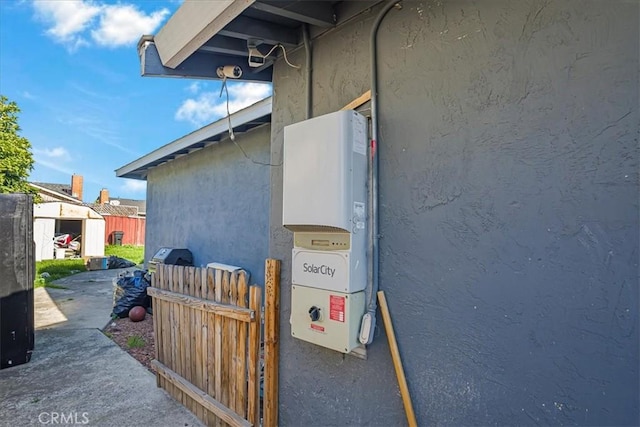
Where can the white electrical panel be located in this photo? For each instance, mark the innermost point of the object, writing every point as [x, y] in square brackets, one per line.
[325, 173]
[329, 319]
[324, 204]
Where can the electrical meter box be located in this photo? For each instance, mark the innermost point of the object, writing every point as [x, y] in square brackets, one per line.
[329, 319]
[324, 200]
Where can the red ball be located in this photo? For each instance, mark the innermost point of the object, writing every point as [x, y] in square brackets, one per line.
[137, 313]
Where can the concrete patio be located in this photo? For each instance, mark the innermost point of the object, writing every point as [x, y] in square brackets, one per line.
[79, 376]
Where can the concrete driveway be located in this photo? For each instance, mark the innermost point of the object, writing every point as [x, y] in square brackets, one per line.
[76, 374]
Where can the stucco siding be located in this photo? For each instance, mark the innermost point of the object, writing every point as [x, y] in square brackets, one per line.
[214, 202]
[508, 211]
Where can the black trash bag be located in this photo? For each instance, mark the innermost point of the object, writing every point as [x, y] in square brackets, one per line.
[131, 291]
[117, 262]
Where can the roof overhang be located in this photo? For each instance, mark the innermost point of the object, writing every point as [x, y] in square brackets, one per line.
[204, 35]
[244, 120]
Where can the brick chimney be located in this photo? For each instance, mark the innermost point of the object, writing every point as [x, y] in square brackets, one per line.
[104, 196]
[76, 186]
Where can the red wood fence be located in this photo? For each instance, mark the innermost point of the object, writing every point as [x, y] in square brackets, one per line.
[132, 227]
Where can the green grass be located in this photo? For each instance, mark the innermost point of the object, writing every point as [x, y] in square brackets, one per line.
[57, 269]
[135, 342]
[130, 252]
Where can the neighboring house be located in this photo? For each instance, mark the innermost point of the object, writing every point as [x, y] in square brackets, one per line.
[204, 195]
[139, 205]
[508, 197]
[61, 212]
[124, 216]
[50, 192]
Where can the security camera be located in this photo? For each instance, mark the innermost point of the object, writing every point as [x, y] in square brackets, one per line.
[256, 59]
[229, 72]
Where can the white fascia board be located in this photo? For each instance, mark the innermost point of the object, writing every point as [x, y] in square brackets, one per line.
[246, 115]
[193, 24]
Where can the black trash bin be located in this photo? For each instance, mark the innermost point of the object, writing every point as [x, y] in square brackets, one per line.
[117, 238]
[17, 269]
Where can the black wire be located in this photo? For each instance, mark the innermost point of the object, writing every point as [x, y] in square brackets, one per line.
[232, 135]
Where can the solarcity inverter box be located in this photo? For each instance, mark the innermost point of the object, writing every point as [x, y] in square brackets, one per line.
[324, 203]
[324, 200]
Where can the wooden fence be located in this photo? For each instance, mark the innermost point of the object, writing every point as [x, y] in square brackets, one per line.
[208, 335]
[132, 227]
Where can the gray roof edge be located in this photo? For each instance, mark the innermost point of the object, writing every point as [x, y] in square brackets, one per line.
[40, 187]
[259, 109]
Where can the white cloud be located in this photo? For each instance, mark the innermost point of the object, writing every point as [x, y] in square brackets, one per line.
[56, 158]
[134, 186]
[98, 126]
[53, 153]
[193, 88]
[249, 90]
[123, 24]
[198, 111]
[53, 165]
[208, 106]
[28, 95]
[67, 19]
[74, 23]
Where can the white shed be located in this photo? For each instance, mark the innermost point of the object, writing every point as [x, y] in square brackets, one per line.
[59, 217]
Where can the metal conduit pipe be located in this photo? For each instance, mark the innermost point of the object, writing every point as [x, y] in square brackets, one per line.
[367, 328]
[307, 48]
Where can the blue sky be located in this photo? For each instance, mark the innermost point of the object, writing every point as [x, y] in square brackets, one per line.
[73, 69]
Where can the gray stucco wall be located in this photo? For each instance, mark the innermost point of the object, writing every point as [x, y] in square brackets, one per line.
[214, 202]
[509, 215]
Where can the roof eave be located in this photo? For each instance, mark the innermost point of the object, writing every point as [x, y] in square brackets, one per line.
[192, 25]
[199, 65]
[203, 36]
[204, 136]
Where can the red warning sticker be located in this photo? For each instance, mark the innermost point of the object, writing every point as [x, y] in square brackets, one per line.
[336, 308]
[317, 327]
